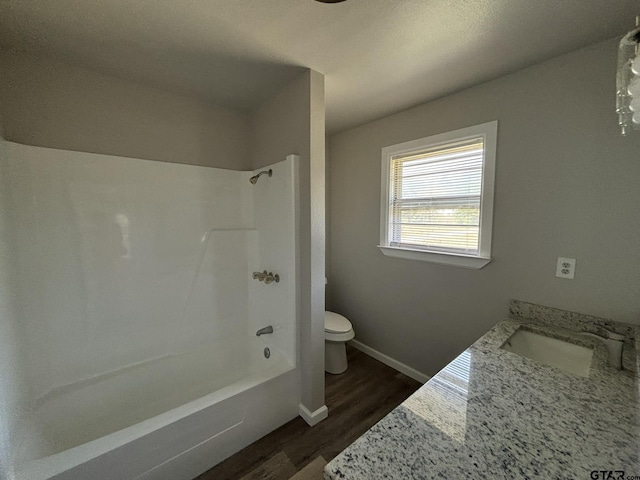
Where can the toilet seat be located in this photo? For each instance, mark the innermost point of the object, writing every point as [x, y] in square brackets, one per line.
[336, 323]
[337, 328]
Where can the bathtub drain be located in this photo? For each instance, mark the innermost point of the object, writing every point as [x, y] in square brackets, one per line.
[267, 352]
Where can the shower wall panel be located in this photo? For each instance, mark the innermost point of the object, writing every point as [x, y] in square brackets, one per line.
[275, 220]
[120, 261]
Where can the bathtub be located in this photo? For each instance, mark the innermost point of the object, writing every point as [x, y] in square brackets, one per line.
[135, 313]
[172, 417]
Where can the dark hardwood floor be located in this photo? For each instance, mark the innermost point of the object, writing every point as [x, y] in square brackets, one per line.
[357, 400]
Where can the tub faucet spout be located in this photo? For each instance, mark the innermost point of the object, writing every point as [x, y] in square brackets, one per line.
[264, 330]
[614, 343]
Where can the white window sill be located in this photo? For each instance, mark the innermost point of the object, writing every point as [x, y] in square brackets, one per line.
[464, 261]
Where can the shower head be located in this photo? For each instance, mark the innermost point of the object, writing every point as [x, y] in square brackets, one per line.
[255, 178]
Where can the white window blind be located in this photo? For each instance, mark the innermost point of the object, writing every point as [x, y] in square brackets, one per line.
[435, 198]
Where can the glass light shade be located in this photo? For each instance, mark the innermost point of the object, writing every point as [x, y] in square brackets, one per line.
[635, 65]
[627, 83]
[634, 87]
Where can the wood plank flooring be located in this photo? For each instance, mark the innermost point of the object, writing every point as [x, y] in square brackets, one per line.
[357, 400]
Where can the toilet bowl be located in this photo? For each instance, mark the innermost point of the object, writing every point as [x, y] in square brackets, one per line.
[337, 331]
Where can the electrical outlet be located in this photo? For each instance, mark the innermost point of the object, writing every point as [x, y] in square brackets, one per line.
[566, 268]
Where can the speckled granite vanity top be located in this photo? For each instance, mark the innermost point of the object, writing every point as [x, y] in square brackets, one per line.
[494, 414]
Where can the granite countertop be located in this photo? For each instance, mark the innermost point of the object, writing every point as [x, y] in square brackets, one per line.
[494, 414]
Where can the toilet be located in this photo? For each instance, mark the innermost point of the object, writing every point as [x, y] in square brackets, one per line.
[337, 331]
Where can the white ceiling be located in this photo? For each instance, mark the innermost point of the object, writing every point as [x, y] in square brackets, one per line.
[379, 56]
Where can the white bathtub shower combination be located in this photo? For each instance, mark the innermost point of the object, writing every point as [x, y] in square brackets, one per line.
[135, 313]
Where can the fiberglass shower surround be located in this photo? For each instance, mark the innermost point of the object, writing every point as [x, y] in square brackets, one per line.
[136, 312]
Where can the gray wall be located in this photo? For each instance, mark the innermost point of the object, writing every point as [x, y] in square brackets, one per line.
[51, 104]
[567, 184]
[293, 122]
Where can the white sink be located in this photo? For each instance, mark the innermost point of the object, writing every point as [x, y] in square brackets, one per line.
[550, 351]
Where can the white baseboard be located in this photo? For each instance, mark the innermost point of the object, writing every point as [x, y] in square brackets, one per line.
[313, 418]
[392, 362]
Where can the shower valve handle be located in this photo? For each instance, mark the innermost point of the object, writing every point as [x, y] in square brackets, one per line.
[271, 278]
[266, 277]
[260, 276]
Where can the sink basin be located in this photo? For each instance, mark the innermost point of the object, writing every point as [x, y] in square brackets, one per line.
[550, 351]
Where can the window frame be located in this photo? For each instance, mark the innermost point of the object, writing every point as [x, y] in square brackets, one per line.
[489, 132]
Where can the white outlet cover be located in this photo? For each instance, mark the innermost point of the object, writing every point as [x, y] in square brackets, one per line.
[566, 267]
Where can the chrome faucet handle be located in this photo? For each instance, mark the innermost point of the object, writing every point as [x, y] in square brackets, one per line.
[260, 276]
[270, 277]
[266, 277]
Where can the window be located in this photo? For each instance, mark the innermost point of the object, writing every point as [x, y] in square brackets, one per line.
[437, 197]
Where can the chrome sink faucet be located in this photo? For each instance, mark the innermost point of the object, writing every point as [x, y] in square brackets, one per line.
[613, 342]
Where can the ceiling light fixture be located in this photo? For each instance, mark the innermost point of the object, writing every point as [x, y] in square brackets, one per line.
[330, 1]
[628, 81]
